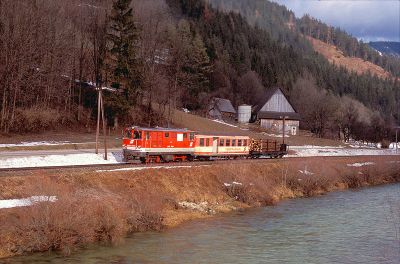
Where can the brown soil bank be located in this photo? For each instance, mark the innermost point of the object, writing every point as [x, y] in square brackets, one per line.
[106, 206]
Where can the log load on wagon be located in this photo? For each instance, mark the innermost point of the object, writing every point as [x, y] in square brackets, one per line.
[167, 144]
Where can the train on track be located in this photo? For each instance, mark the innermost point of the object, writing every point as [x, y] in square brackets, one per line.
[167, 145]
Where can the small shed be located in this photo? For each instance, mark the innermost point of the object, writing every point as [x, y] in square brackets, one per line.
[221, 109]
[273, 108]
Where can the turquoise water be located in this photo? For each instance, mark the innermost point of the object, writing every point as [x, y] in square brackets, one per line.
[344, 227]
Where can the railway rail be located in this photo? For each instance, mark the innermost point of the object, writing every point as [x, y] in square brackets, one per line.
[170, 164]
[128, 165]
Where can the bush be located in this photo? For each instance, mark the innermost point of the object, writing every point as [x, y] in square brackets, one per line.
[35, 120]
[385, 144]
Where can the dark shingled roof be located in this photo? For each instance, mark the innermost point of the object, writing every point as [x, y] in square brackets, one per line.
[222, 105]
[278, 115]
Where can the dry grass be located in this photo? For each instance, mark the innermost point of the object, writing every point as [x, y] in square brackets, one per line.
[203, 125]
[354, 64]
[104, 207]
[79, 141]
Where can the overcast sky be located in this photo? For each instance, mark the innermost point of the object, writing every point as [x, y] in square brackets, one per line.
[370, 20]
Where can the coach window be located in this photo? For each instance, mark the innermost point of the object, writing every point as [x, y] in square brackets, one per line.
[221, 142]
[228, 142]
[201, 142]
[166, 135]
[244, 142]
[137, 135]
[233, 142]
[239, 142]
[207, 142]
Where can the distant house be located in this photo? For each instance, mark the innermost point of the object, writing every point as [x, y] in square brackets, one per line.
[271, 110]
[221, 109]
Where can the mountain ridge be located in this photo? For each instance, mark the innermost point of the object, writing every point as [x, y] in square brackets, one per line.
[391, 48]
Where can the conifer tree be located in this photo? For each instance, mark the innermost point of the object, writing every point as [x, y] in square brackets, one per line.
[198, 68]
[123, 64]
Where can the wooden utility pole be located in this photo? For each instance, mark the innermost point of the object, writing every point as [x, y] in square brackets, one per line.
[98, 120]
[283, 128]
[100, 113]
[397, 141]
[104, 125]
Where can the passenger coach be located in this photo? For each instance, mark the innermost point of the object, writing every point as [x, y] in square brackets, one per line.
[221, 146]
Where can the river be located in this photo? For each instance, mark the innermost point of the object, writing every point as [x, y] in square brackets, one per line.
[359, 226]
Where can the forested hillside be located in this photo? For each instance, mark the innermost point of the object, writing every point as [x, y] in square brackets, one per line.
[280, 22]
[151, 56]
[391, 48]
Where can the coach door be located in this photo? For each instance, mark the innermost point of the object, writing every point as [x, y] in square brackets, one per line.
[215, 145]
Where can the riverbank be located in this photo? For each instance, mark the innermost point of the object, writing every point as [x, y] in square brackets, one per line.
[106, 205]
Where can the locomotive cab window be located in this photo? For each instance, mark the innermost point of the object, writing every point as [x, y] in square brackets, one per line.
[201, 142]
[137, 135]
[185, 135]
[128, 133]
[147, 135]
[191, 136]
[221, 142]
[228, 142]
[233, 142]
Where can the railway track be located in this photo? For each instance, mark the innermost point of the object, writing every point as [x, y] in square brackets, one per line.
[170, 164]
[62, 167]
[124, 165]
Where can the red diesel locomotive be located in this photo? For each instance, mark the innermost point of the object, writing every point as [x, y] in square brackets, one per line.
[166, 144]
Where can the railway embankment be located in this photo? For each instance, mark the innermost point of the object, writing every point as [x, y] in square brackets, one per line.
[104, 206]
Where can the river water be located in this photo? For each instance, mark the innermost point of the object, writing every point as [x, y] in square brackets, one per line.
[360, 226]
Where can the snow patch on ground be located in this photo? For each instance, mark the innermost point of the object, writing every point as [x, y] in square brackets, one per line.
[26, 201]
[152, 167]
[361, 144]
[231, 184]
[202, 207]
[37, 143]
[275, 135]
[60, 160]
[393, 145]
[223, 123]
[361, 164]
[315, 147]
[306, 172]
[316, 151]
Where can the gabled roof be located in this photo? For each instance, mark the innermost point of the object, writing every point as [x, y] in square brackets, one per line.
[267, 96]
[221, 105]
[264, 99]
